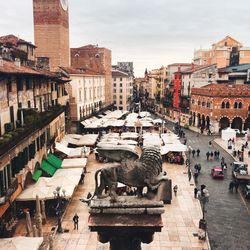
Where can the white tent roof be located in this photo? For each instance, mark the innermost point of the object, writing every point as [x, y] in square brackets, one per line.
[129, 135]
[67, 179]
[227, 134]
[144, 114]
[21, 243]
[128, 142]
[70, 152]
[74, 163]
[176, 147]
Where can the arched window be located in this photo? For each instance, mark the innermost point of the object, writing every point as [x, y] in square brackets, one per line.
[208, 105]
[236, 105]
[203, 104]
[192, 101]
[240, 105]
[223, 105]
[199, 102]
[227, 105]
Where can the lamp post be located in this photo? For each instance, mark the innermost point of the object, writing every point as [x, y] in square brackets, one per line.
[203, 196]
[188, 162]
[58, 208]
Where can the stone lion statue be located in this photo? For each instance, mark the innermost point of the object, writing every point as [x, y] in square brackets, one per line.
[130, 170]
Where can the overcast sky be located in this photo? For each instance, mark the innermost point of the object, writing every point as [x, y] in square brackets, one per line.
[151, 33]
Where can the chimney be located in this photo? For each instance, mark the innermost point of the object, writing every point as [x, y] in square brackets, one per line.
[1, 61]
[17, 62]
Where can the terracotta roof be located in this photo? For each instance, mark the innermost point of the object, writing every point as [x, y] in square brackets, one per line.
[118, 73]
[82, 71]
[9, 67]
[195, 68]
[180, 64]
[14, 40]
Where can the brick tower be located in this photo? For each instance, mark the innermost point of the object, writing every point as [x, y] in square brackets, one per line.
[51, 28]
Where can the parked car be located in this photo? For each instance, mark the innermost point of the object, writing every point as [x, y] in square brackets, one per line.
[217, 172]
[240, 171]
[247, 191]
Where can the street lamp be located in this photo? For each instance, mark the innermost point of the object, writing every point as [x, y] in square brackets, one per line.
[59, 206]
[188, 162]
[203, 196]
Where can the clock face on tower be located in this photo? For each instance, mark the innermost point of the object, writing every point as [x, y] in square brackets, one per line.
[64, 4]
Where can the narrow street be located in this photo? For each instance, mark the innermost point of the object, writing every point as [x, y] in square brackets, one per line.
[227, 215]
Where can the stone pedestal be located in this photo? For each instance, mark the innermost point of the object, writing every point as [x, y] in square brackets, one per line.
[126, 223]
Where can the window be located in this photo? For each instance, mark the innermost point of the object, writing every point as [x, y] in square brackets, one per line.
[208, 105]
[203, 104]
[227, 105]
[120, 85]
[114, 90]
[223, 105]
[114, 85]
[236, 105]
[193, 101]
[19, 84]
[121, 79]
[120, 102]
[9, 85]
[240, 105]
[114, 79]
[120, 96]
[120, 90]
[199, 102]
[29, 104]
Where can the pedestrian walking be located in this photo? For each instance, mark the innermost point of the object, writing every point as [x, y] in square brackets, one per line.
[210, 144]
[215, 154]
[195, 192]
[76, 220]
[199, 168]
[212, 154]
[246, 144]
[236, 185]
[193, 152]
[218, 154]
[238, 153]
[231, 186]
[175, 188]
[185, 141]
[196, 176]
[198, 152]
[222, 159]
[207, 154]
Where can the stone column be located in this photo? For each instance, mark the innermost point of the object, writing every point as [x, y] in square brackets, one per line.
[38, 217]
[28, 225]
[43, 212]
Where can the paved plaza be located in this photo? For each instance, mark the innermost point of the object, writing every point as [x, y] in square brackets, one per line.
[180, 219]
[227, 215]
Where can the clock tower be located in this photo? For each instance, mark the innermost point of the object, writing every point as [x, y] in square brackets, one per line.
[51, 29]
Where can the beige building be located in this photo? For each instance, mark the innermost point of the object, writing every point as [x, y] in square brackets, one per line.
[226, 52]
[86, 92]
[97, 59]
[122, 89]
[30, 122]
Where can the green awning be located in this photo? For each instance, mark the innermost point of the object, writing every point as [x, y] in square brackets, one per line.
[37, 175]
[48, 168]
[54, 161]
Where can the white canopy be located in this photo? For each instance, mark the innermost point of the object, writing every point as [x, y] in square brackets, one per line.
[144, 114]
[70, 152]
[177, 147]
[131, 135]
[74, 163]
[21, 243]
[227, 134]
[156, 121]
[128, 142]
[67, 179]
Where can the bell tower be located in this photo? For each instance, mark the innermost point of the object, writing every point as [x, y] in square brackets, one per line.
[51, 29]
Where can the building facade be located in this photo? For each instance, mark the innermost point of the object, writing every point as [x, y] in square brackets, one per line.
[30, 122]
[97, 59]
[51, 30]
[122, 90]
[226, 52]
[217, 106]
[86, 92]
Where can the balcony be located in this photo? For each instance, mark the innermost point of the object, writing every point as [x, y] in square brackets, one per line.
[9, 192]
[33, 124]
